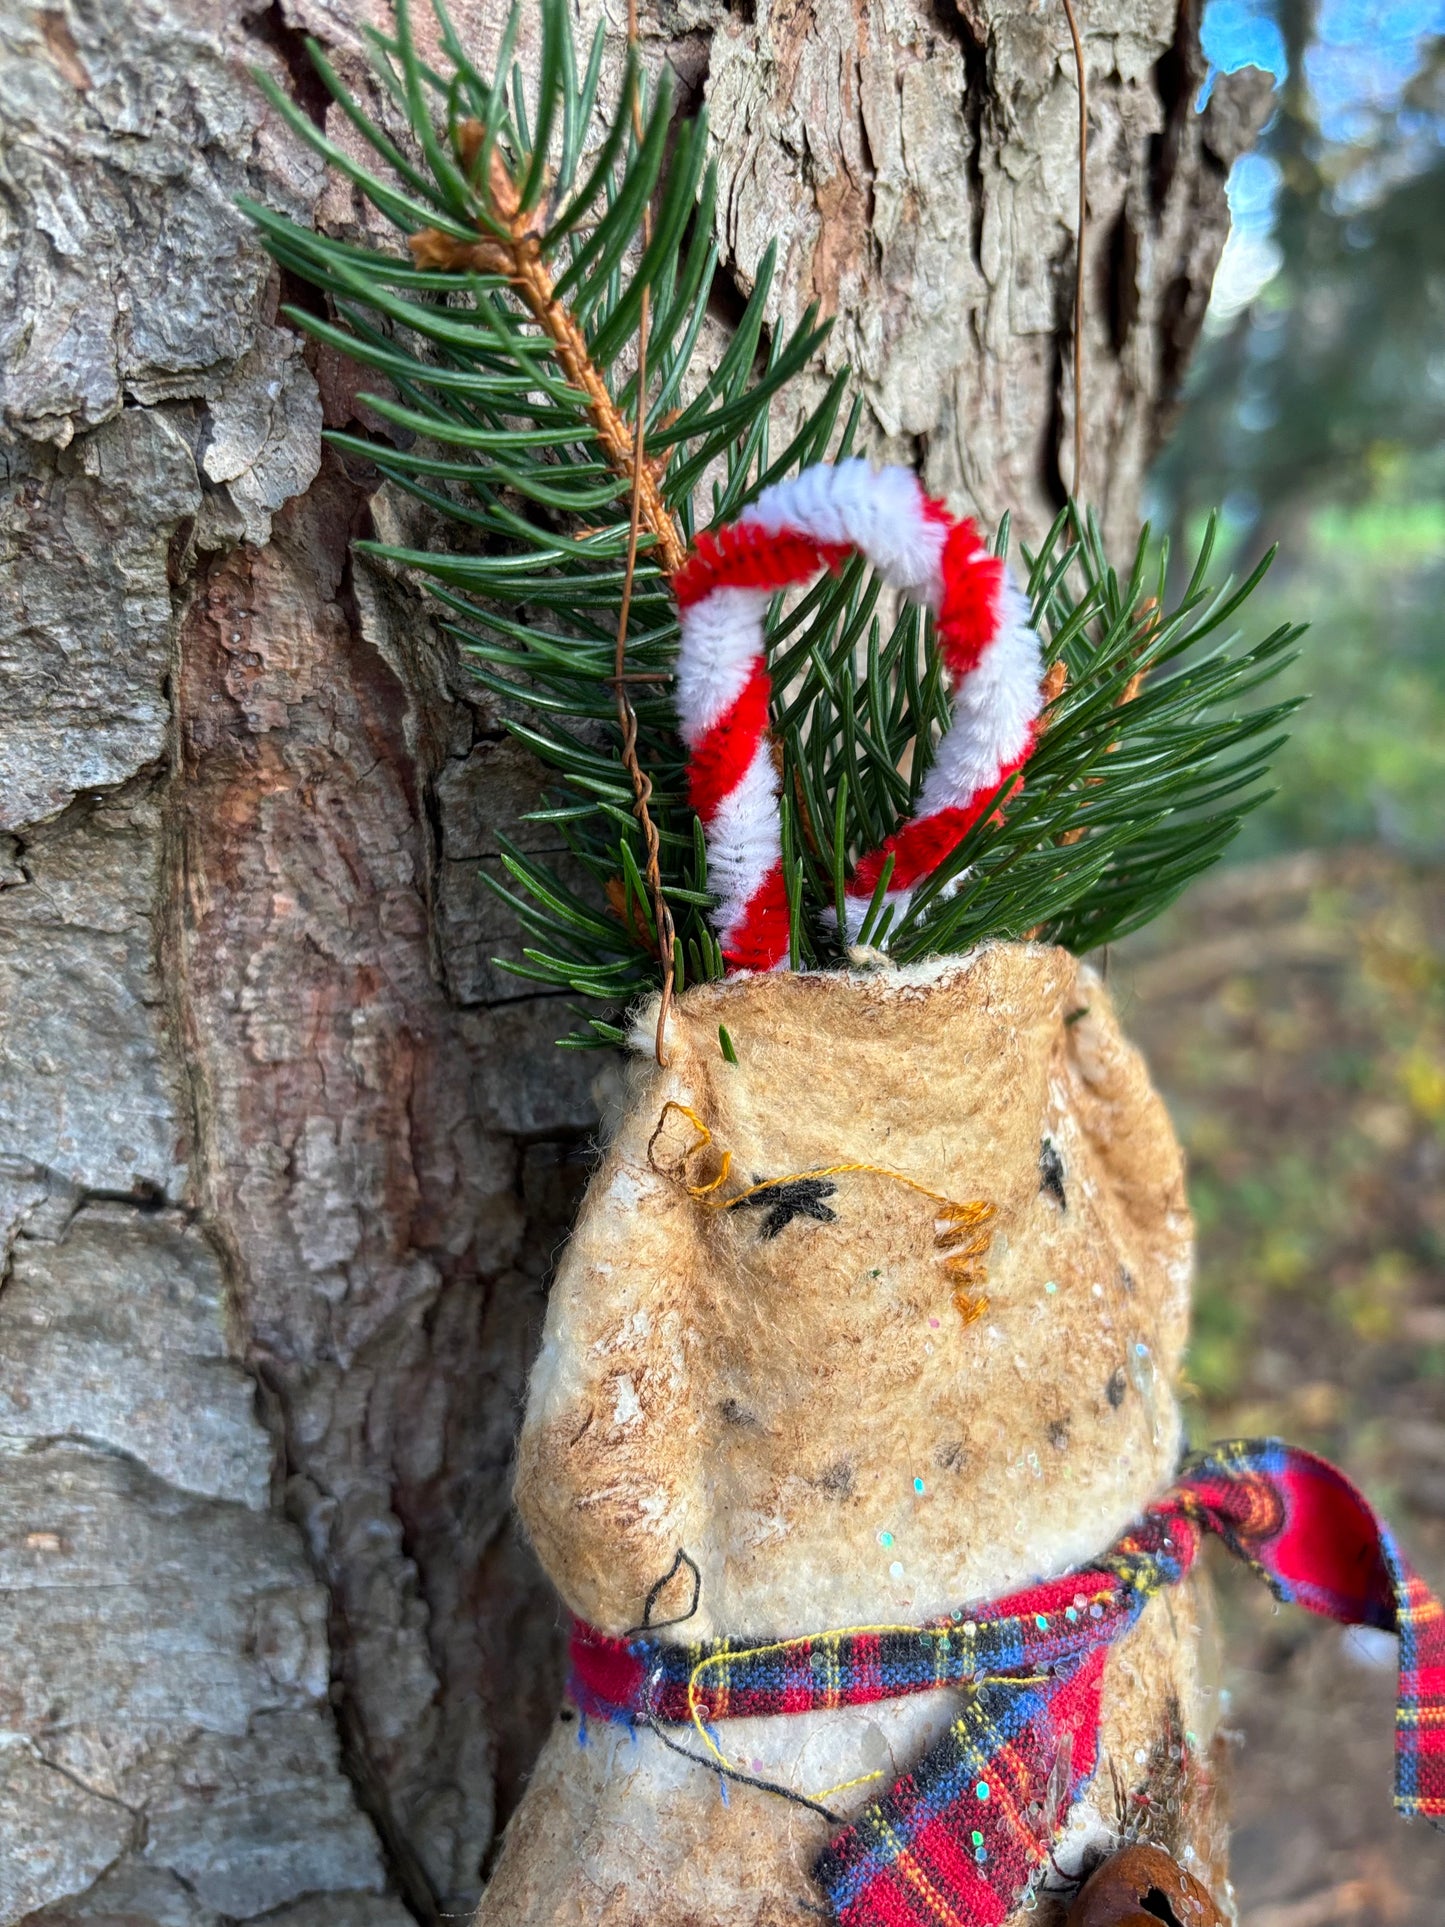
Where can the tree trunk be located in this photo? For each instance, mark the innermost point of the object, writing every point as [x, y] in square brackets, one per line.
[284, 1159]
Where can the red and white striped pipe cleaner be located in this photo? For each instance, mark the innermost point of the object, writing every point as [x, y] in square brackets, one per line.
[723, 690]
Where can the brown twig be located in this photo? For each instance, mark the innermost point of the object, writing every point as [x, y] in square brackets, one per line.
[1079, 249]
[519, 258]
[626, 714]
[1055, 682]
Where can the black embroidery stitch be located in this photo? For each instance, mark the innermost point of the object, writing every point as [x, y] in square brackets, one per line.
[1051, 1173]
[800, 1198]
[680, 1559]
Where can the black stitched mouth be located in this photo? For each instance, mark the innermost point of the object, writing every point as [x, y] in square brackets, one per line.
[1051, 1173]
[798, 1198]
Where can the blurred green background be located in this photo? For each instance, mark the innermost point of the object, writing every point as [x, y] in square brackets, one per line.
[1314, 412]
[1293, 1005]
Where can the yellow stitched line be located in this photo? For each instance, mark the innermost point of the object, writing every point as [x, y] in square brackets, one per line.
[699, 1717]
[702, 1141]
[976, 1211]
[844, 1785]
[694, 1708]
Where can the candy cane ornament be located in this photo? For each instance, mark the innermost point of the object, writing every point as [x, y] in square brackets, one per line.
[811, 521]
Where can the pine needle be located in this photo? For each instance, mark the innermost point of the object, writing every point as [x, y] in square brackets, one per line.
[541, 319]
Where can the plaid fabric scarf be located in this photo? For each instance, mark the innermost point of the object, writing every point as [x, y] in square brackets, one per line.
[958, 1841]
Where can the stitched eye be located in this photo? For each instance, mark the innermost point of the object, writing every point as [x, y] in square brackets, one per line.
[781, 1203]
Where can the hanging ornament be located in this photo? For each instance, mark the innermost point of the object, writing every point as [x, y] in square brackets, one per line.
[852, 1445]
[1140, 1886]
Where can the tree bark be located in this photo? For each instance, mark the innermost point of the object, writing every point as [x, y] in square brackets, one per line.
[284, 1158]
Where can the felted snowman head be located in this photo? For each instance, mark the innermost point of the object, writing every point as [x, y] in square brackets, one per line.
[880, 1318]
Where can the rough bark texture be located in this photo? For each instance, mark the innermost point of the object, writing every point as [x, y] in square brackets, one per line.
[283, 1158]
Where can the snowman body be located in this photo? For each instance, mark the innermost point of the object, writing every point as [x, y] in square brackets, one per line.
[878, 1321]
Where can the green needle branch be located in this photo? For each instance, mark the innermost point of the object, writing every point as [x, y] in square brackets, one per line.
[544, 229]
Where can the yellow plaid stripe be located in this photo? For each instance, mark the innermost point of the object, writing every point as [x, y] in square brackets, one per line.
[832, 1649]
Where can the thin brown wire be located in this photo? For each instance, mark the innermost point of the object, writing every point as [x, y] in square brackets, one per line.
[626, 714]
[1079, 249]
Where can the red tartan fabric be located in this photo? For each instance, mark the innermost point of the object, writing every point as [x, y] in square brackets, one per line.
[958, 1841]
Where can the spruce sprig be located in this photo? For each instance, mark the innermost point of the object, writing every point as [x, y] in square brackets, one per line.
[505, 340]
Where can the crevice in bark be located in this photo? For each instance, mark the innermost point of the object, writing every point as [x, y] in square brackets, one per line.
[973, 45]
[403, 1866]
[145, 1196]
[1181, 316]
[976, 71]
[7, 1260]
[434, 825]
[1119, 274]
[1051, 472]
[137, 1814]
[1176, 77]
[727, 296]
[869, 185]
[535, 995]
[180, 556]
[296, 293]
[274, 30]
[959, 24]
[691, 62]
[16, 862]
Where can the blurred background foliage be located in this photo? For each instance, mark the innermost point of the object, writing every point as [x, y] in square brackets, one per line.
[1315, 411]
[1315, 414]
[1293, 1005]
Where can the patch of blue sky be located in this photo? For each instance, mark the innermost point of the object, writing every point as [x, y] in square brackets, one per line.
[1241, 33]
[1362, 57]
[1364, 53]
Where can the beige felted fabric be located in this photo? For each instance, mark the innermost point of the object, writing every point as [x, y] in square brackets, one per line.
[836, 1426]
